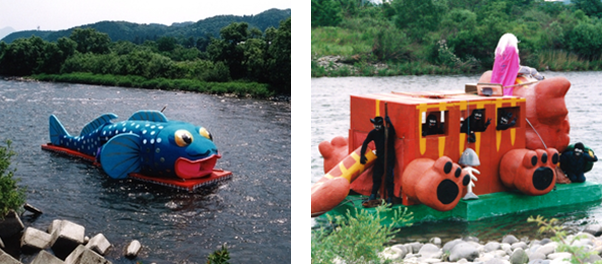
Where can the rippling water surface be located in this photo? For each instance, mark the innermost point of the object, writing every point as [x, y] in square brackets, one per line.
[251, 212]
[330, 118]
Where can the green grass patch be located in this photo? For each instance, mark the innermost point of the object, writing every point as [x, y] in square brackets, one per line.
[253, 89]
[339, 41]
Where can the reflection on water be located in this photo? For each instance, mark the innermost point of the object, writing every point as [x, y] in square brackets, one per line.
[250, 212]
[330, 118]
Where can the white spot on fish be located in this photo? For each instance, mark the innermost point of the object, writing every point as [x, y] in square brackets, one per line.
[152, 141]
[124, 129]
[144, 141]
[158, 140]
[143, 132]
[152, 133]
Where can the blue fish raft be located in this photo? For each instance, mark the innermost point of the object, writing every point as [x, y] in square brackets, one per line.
[145, 147]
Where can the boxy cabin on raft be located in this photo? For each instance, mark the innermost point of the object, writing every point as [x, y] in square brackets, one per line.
[408, 114]
[516, 138]
[511, 125]
[434, 129]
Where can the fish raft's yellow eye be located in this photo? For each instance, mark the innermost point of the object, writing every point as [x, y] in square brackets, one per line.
[183, 138]
[205, 133]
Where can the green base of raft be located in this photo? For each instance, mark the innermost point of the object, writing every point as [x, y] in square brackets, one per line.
[488, 205]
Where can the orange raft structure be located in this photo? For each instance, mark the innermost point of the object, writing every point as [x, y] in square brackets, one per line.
[517, 139]
[217, 175]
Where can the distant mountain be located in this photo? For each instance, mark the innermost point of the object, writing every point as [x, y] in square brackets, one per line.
[5, 31]
[138, 33]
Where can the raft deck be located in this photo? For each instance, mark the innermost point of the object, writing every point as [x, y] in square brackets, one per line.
[188, 185]
[488, 205]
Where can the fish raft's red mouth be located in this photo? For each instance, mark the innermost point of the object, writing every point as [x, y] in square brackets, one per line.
[188, 169]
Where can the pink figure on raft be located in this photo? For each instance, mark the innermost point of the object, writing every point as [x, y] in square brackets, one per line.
[506, 65]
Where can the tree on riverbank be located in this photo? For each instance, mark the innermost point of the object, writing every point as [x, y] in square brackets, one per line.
[12, 196]
[241, 54]
[453, 37]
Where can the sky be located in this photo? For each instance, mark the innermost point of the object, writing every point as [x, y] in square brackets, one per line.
[64, 14]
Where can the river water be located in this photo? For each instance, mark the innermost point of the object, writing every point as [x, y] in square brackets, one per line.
[251, 212]
[330, 118]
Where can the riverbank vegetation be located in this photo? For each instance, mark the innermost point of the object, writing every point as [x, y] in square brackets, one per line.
[362, 238]
[243, 61]
[357, 237]
[12, 197]
[399, 37]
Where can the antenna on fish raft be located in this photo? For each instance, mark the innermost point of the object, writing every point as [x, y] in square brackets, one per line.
[163, 108]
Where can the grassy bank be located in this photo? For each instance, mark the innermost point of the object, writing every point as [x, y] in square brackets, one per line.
[403, 37]
[341, 66]
[339, 52]
[255, 90]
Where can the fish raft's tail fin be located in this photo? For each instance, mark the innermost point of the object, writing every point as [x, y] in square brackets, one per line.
[57, 131]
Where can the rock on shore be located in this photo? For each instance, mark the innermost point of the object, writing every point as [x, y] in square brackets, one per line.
[65, 238]
[509, 250]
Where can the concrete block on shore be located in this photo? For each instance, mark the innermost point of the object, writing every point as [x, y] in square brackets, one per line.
[7, 259]
[132, 249]
[44, 257]
[99, 244]
[66, 237]
[54, 225]
[11, 225]
[83, 255]
[32, 209]
[34, 240]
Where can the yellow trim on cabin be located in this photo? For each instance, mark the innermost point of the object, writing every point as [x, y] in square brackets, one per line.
[422, 139]
[498, 133]
[478, 143]
[512, 135]
[498, 139]
[443, 106]
[441, 146]
[462, 143]
[463, 106]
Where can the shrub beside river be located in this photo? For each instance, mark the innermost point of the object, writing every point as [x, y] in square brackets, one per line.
[253, 89]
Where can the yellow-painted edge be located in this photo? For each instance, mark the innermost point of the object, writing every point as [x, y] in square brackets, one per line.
[441, 146]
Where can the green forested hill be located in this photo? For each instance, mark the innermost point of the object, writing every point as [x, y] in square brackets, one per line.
[138, 33]
[250, 57]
